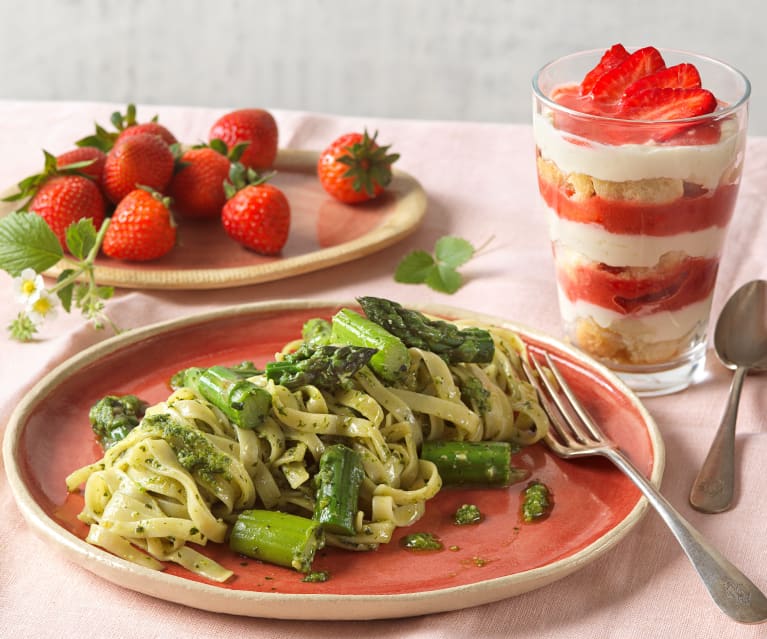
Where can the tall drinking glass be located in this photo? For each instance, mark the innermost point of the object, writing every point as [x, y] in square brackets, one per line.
[638, 212]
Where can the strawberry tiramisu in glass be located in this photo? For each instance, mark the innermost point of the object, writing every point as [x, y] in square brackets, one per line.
[639, 155]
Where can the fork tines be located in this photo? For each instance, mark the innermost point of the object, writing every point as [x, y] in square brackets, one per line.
[574, 431]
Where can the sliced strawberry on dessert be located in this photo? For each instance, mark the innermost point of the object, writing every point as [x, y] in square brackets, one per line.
[609, 60]
[680, 76]
[667, 104]
[611, 85]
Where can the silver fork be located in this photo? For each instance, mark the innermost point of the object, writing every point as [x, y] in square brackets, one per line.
[575, 434]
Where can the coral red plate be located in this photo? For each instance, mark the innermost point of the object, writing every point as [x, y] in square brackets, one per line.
[324, 232]
[595, 505]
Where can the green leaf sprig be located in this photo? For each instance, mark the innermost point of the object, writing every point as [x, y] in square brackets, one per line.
[439, 271]
[28, 245]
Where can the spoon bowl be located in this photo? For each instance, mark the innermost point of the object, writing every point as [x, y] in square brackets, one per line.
[740, 336]
[740, 340]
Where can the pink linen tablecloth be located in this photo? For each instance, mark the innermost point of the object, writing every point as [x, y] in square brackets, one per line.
[480, 181]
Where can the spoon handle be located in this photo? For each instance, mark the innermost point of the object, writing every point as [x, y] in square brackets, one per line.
[714, 486]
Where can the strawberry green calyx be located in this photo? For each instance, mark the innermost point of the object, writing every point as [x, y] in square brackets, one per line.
[233, 155]
[123, 121]
[105, 140]
[165, 200]
[241, 176]
[125, 124]
[369, 164]
[29, 186]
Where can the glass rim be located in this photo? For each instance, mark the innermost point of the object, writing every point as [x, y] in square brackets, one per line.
[719, 113]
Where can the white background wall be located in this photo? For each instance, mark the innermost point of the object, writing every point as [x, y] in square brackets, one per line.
[422, 59]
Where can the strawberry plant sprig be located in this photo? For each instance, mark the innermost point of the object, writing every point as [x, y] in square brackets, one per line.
[439, 271]
[28, 247]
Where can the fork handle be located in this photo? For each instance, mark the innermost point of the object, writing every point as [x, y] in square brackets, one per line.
[730, 589]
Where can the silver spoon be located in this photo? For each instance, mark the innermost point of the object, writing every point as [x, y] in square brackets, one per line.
[740, 340]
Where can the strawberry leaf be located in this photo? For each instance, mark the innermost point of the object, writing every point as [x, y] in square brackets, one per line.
[105, 292]
[414, 268]
[81, 237]
[445, 279]
[26, 241]
[65, 293]
[453, 251]
[438, 271]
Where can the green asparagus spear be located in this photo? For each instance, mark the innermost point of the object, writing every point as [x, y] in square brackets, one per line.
[474, 394]
[392, 359]
[316, 331]
[190, 376]
[277, 538]
[246, 369]
[243, 403]
[186, 377]
[454, 345]
[338, 483]
[462, 463]
[113, 417]
[327, 367]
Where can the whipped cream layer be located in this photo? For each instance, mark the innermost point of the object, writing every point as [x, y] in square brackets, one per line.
[699, 164]
[592, 243]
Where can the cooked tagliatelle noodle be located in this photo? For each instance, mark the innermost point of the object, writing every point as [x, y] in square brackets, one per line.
[147, 499]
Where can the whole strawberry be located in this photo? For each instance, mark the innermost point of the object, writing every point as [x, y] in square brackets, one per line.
[60, 195]
[63, 199]
[141, 228]
[197, 187]
[257, 215]
[95, 157]
[138, 160]
[125, 124]
[257, 128]
[354, 168]
[153, 127]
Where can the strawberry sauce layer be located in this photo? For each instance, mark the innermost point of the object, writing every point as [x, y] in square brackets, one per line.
[689, 213]
[690, 280]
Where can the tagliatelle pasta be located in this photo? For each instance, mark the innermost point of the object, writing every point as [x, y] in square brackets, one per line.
[181, 476]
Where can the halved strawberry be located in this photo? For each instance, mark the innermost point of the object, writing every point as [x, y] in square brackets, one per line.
[667, 104]
[609, 60]
[611, 85]
[680, 76]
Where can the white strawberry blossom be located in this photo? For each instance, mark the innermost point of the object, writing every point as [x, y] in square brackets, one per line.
[41, 306]
[27, 284]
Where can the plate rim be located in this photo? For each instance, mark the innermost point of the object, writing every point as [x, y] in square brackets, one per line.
[408, 212]
[299, 606]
